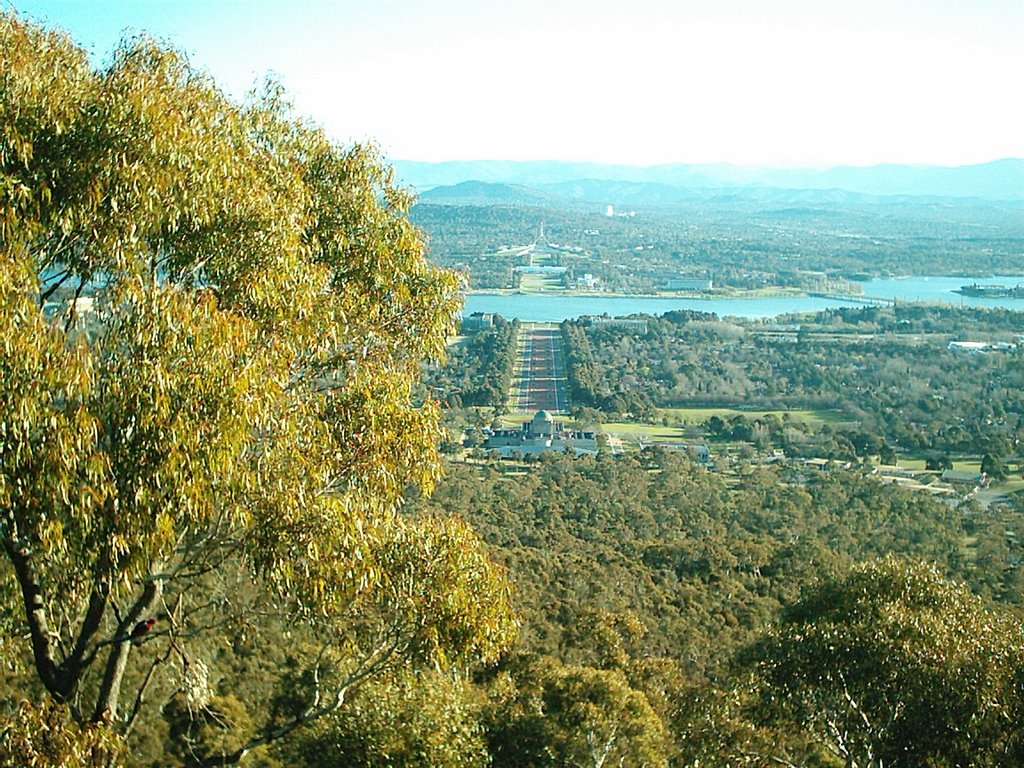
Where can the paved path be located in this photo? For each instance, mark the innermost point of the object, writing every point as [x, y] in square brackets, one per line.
[540, 381]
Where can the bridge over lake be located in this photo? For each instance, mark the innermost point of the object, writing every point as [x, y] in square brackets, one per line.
[854, 298]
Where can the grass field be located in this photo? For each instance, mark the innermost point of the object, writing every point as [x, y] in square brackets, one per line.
[909, 463]
[960, 465]
[689, 416]
[1014, 485]
[650, 432]
[968, 465]
[699, 415]
[515, 419]
[541, 283]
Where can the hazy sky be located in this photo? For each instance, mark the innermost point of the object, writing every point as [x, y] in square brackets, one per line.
[778, 82]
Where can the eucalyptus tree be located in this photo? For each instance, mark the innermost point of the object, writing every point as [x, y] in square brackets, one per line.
[894, 665]
[421, 720]
[211, 320]
[544, 713]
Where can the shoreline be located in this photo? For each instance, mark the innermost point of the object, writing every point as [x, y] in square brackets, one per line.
[757, 293]
[554, 307]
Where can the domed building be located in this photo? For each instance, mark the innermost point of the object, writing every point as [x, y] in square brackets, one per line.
[541, 433]
[544, 425]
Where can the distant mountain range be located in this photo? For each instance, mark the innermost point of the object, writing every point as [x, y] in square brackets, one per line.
[489, 193]
[543, 182]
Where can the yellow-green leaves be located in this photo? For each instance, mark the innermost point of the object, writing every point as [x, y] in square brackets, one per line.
[435, 574]
[180, 387]
[895, 665]
[547, 713]
[211, 320]
[47, 436]
[44, 736]
[43, 81]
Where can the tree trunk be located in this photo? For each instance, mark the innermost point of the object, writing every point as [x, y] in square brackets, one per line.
[38, 624]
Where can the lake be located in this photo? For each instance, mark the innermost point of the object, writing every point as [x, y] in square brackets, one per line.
[554, 308]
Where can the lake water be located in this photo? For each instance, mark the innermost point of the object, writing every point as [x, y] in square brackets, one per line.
[554, 308]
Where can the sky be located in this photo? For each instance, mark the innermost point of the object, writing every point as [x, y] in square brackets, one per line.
[793, 83]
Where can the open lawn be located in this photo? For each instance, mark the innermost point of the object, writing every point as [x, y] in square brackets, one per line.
[967, 465]
[1013, 485]
[649, 432]
[540, 283]
[907, 462]
[918, 463]
[515, 419]
[699, 415]
[689, 416]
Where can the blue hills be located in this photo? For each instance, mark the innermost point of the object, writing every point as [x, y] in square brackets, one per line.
[487, 182]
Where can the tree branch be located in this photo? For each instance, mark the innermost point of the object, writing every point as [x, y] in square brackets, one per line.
[110, 684]
[77, 661]
[73, 310]
[371, 665]
[60, 280]
[35, 616]
[772, 759]
[141, 692]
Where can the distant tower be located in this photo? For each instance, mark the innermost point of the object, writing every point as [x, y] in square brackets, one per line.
[540, 235]
[610, 212]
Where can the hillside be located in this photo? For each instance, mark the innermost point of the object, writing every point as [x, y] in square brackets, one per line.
[998, 180]
[485, 193]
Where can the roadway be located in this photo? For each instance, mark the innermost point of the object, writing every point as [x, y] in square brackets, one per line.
[541, 383]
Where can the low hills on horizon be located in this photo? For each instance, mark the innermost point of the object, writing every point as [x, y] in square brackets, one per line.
[545, 183]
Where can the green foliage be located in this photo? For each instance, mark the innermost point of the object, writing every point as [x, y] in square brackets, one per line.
[412, 720]
[547, 714]
[218, 727]
[993, 466]
[938, 463]
[212, 321]
[597, 544]
[44, 736]
[436, 575]
[888, 370]
[581, 372]
[894, 665]
[479, 372]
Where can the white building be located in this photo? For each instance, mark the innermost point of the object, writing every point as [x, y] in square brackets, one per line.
[478, 320]
[540, 434]
[974, 347]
